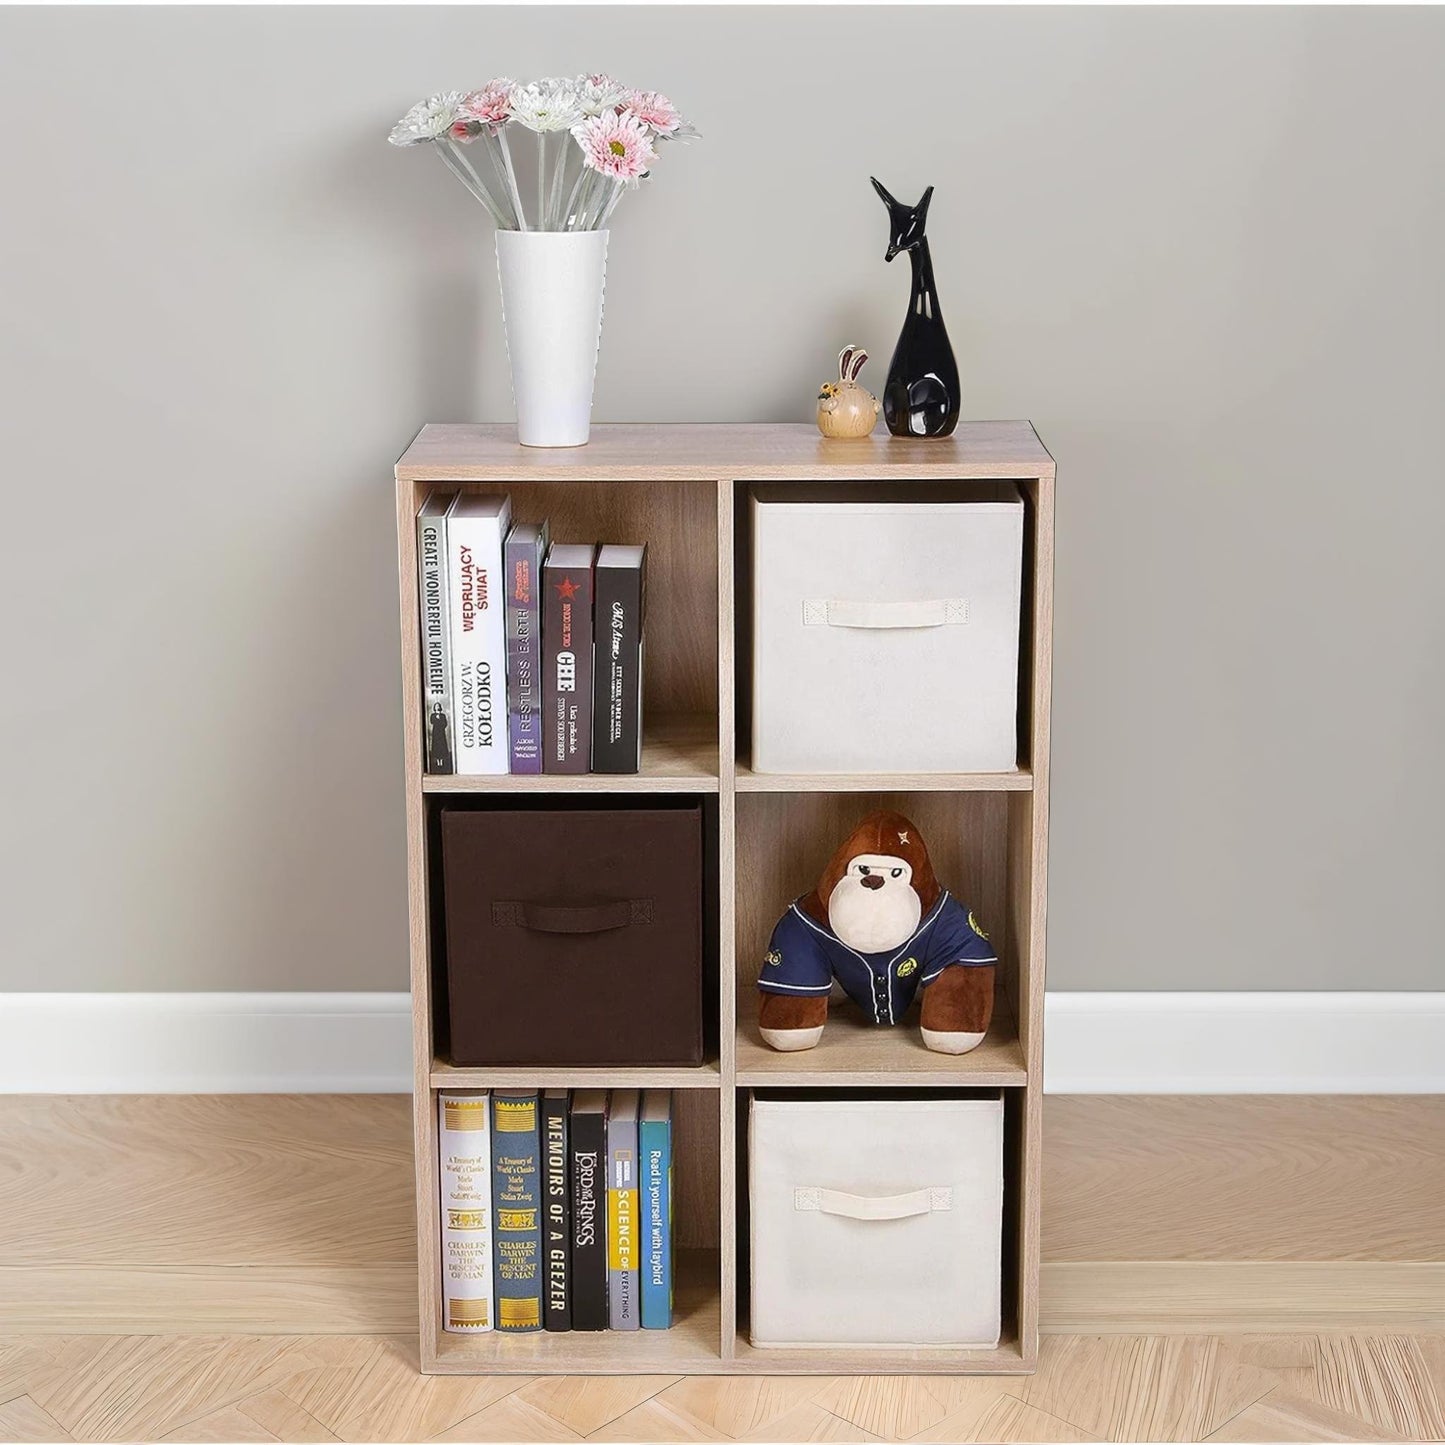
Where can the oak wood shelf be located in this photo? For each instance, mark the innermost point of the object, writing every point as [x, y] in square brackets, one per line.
[445, 1075]
[1021, 780]
[691, 1346]
[855, 1054]
[683, 489]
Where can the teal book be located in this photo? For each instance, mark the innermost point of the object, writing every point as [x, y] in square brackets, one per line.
[516, 1210]
[654, 1148]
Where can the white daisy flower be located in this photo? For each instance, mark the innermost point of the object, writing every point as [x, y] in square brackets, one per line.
[429, 119]
[546, 105]
[597, 93]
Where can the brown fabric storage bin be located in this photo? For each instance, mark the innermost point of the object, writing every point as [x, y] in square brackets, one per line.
[574, 935]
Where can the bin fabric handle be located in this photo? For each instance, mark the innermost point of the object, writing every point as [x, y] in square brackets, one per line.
[867, 1206]
[938, 612]
[573, 917]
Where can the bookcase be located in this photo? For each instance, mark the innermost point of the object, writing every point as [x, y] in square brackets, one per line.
[683, 489]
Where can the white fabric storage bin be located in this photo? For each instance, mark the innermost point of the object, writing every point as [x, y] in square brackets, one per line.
[886, 628]
[877, 1222]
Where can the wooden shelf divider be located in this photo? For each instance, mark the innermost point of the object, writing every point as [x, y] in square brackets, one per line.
[682, 489]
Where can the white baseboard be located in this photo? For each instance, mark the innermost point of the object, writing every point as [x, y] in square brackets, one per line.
[1244, 1043]
[353, 1043]
[205, 1043]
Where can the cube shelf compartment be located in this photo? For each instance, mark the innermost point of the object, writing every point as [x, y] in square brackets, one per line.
[683, 490]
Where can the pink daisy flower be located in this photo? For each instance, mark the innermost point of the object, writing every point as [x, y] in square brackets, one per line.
[489, 106]
[618, 145]
[653, 108]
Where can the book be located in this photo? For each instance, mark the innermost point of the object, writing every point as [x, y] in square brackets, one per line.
[617, 668]
[567, 652]
[475, 527]
[556, 1213]
[464, 1155]
[587, 1127]
[522, 558]
[436, 638]
[654, 1149]
[623, 1275]
[517, 1210]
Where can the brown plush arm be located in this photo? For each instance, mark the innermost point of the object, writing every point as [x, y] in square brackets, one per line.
[789, 1023]
[957, 1008]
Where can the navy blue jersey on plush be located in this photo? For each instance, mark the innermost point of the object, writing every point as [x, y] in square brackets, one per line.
[804, 957]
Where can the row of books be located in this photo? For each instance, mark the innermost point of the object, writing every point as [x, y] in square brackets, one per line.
[556, 1210]
[531, 650]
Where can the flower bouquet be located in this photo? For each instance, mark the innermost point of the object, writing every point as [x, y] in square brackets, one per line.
[580, 144]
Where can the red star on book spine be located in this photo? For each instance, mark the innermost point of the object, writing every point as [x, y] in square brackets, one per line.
[568, 588]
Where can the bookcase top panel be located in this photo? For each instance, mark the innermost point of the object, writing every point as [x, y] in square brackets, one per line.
[711, 452]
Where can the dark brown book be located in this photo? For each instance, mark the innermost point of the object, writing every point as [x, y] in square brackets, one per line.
[574, 935]
[567, 589]
[617, 676]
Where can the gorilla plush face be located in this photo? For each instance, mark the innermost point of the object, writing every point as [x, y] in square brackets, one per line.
[873, 907]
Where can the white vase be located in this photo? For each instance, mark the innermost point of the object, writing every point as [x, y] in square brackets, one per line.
[552, 307]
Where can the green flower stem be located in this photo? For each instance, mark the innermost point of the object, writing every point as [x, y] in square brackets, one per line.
[472, 182]
[512, 180]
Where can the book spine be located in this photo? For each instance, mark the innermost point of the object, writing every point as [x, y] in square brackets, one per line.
[617, 679]
[517, 1204]
[567, 647]
[474, 548]
[464, 1152]
[655, 1147]
[623, 1276]
[522, 563]
[557, 1217]
[436, 643]
[589, 1222]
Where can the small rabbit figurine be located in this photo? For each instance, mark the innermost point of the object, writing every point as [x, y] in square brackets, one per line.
[846, 409]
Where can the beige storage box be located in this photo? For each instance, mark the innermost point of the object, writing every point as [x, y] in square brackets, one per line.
[876, 1222]
[886, 628]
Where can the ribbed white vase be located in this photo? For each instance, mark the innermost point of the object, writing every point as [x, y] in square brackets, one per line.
[552, 283]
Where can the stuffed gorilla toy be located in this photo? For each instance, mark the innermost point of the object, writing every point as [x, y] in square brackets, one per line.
[881, 926]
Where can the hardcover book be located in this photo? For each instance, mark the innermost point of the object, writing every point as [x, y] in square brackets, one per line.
[475, 527]
[465, 1159]
[556, 1214]
[654, 1147]
[517, 1206]
[623, 1244]
[588, 1130]
[436, 639]
[567, 649]
[525, 551]
[617, 674]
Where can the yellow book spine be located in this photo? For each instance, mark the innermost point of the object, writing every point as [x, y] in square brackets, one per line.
[622, 1229]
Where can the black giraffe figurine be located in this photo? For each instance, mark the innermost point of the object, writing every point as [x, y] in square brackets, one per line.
[921, 398]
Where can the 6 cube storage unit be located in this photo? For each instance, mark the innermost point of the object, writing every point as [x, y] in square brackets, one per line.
[685, 491]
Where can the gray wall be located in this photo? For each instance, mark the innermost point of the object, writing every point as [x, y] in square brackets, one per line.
[1202, 249]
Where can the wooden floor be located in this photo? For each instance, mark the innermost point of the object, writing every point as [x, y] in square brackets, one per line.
[241, 1269]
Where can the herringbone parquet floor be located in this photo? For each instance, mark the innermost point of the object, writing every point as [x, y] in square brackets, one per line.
[364, 1388]
[166, 1265]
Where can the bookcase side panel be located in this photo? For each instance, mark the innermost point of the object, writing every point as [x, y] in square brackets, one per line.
[727, 910]
[1031, 1003]
[428, 1221]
